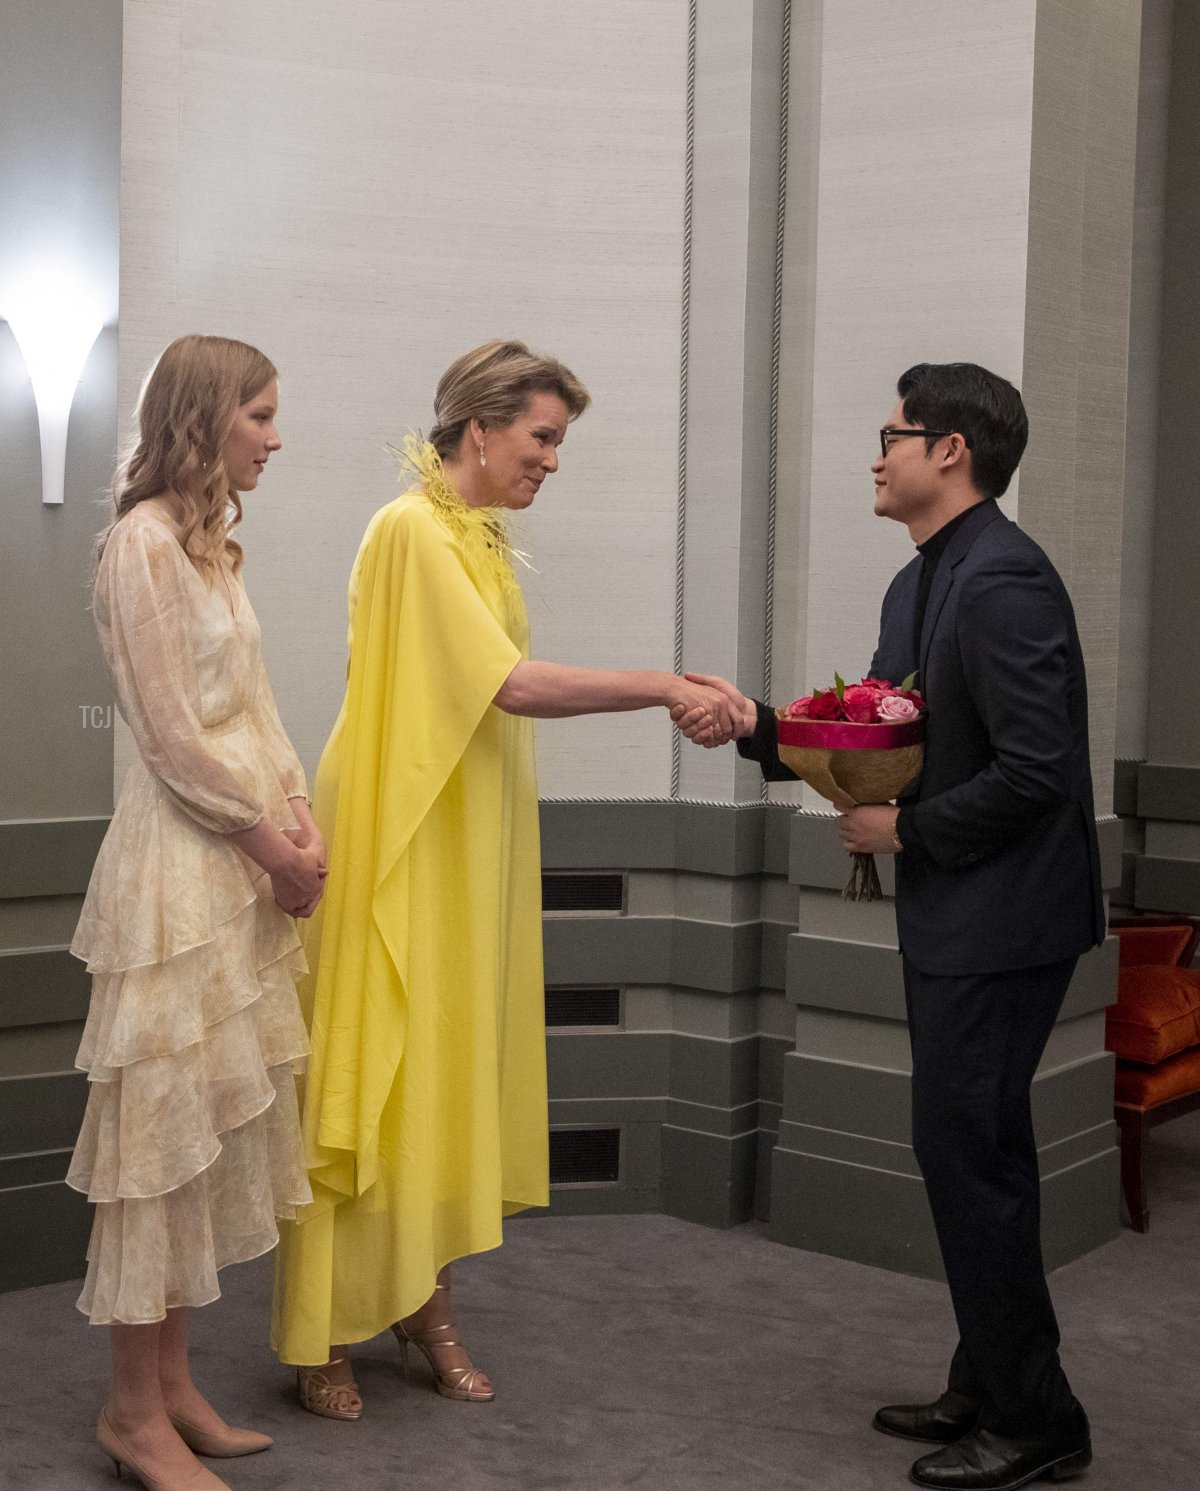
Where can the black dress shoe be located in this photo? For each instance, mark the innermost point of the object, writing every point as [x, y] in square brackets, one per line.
[983, 1461]
[942, 1422]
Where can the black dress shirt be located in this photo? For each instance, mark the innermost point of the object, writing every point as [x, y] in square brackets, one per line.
[931, 552]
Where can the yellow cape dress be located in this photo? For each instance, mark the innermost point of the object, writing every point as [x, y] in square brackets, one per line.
[425, 1104]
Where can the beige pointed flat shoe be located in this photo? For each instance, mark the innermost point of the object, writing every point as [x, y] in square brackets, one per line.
[223, 1446]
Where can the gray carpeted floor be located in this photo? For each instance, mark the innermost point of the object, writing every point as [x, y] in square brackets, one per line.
[645, 1352]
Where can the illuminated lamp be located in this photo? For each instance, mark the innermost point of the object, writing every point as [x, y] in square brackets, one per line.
[55, 319]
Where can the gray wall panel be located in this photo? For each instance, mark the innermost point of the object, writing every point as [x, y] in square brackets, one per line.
[41, 1112]
[604, 1066]
[854, 976]
[604, 836]
[710, 838]
[830, 1207]
[848, 1149]
[771, 1053]
[716, 957]
[1110, 834]
[58, 1218]
[626, 950]
[816, 856]
[48, 857]
[1125, 788]
[606, 1112]
[1166, 885]
[1080, 1207]
[701, 1118]
[706, 1178]
[41, 986]
[39, 1168]
[1094, 984]
[721, 1073]
[826, 1206]
[1171, 792]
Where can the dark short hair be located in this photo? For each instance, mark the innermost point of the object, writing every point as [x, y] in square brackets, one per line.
[985, 409]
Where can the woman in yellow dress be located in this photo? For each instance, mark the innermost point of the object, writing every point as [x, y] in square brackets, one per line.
[425, 1105]
[190, 1146]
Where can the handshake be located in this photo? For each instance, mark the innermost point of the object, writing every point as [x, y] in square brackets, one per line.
[711, 711]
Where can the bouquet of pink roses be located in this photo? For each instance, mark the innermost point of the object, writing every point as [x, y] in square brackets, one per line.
[854, 744]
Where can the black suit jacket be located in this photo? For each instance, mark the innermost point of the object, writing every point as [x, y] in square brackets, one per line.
[1005, 872]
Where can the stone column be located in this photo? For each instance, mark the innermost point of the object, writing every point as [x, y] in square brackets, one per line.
[730, 360]
[1167, 875]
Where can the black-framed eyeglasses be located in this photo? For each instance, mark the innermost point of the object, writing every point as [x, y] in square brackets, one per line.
[889, 433]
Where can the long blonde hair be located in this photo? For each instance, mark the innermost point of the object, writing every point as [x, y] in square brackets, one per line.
[492, 384]
[185, 411]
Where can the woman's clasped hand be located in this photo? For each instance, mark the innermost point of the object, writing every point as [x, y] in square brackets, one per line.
[702, 713]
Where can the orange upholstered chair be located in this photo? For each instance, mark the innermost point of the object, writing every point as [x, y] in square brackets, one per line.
[1154, 1030]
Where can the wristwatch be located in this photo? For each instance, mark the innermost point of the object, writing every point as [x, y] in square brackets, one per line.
[896, 836]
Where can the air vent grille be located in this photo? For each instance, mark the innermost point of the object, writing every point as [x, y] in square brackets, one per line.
[569, 1007]
[581, 1157]
[602, 894]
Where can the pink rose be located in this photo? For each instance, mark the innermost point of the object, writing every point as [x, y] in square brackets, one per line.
[825, 706]
[798, 708]
[893, 708]
[859, 703]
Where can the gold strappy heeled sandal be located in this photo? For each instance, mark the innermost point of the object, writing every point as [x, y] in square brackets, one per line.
[459, 1383]
[326, 1398]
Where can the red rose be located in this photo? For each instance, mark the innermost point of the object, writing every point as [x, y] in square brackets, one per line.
[877, 685]
[798, 708]
[825, 706]
[859, 702]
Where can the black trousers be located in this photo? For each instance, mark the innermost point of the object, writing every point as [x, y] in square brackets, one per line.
[976, 1043]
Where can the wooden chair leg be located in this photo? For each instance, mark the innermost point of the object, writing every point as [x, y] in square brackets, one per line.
[1133, 1131]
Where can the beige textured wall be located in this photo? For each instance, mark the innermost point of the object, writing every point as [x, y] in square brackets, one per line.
[973, 183]
[922, 224]
[367, 190]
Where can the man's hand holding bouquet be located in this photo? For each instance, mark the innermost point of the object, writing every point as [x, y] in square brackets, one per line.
[856, 744]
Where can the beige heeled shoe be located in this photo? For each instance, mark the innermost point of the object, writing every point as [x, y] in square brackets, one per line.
[326, 1398]
[199, 1479]
[458, 1383]
[224, 1446]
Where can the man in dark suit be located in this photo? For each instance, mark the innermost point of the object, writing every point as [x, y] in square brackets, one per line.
[997, 895]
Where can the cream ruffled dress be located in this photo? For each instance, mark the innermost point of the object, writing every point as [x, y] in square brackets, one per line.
[190, 1146]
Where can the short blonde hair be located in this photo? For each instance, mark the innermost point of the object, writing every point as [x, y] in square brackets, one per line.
[492, 384]
[186, 409]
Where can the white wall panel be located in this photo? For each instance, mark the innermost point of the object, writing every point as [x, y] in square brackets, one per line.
[922, 227]
[368, 190]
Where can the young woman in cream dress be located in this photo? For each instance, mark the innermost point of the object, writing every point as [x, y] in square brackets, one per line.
[190, 1147]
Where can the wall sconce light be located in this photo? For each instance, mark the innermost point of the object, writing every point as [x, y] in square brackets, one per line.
[55, 320]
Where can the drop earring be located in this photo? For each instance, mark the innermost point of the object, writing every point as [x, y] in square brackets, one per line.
[482, 457]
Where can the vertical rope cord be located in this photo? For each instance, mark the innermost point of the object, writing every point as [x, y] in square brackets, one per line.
[776, 338]
[681, 495]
